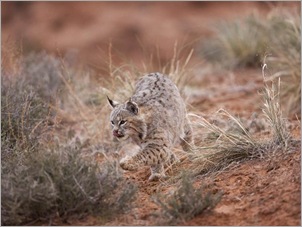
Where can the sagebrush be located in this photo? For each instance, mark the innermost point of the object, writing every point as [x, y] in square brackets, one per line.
[47, 176]
[61, 183]
[185, 202]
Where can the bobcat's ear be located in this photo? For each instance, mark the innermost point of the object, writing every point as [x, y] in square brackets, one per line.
[112, 103]
[132, 107]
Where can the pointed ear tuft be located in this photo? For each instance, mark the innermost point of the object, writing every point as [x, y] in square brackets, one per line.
[132, 107]
[112, 103]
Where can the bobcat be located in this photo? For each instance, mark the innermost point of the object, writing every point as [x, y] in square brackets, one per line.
[155, 119]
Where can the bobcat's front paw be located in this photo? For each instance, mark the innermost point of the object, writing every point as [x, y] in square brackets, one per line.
[128, 164]
[157, 177]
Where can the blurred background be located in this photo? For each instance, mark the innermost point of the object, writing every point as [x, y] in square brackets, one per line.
[134, 29]
[59, 61]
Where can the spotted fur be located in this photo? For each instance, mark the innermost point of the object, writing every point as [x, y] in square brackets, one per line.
[155, 119]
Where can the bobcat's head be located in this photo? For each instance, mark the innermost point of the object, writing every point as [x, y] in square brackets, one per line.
[126, 121]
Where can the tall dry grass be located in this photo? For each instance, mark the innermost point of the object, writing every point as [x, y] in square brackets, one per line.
[244, 43]
[236, 144]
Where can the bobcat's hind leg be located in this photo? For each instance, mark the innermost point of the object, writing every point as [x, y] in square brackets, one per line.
[157, 172]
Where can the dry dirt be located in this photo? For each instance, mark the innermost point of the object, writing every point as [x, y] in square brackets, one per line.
[257, 192]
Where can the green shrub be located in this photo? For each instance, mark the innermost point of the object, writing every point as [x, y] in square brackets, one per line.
[60, 183]
[43, 73]
[24, 117]
[185, 202]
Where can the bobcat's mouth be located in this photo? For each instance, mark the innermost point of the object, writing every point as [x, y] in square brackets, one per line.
[116, 134]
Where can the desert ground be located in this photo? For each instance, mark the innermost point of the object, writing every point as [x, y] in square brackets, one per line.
[113, 40]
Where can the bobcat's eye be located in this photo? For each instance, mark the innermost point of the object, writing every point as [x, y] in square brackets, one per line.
[122, 122]
[112, 122]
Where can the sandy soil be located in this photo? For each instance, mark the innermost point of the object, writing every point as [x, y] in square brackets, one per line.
[258, 192]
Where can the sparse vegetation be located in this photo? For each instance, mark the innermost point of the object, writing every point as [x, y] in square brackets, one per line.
[227, 146]
[285, 59]
[43, 73]
[61, 183]
[24, 118]
[185, 202]
[48, 176]
[236, 44]
[45, 177]
[247, 42]
[236, 143]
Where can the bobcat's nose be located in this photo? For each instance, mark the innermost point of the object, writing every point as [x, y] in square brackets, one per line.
[117, 134]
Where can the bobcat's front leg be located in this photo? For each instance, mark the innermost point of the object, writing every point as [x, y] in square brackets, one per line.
[128, 163]
[152, 155]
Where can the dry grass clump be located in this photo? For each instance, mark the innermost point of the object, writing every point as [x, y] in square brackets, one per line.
[185, 202]
[237, 144]
[236, 44]
[272, 111]
[227, 146]
[61, 183]
[247, 42]
[285, 60]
